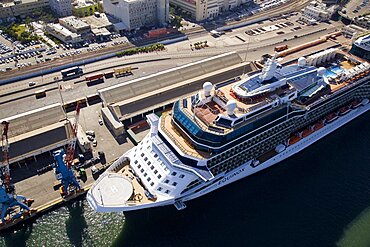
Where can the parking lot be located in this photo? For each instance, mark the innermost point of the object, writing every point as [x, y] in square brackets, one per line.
[283, 28]
[20, 55]
[356, 8]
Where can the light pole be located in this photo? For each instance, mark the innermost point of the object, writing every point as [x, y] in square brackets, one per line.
[56, 79]
[246, 53]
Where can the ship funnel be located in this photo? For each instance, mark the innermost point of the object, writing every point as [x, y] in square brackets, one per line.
[301, 61]
[230, 107]
[207, 88]
[321, 71]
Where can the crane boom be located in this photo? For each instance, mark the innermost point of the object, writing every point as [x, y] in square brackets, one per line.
[5, 152]
[72, 144]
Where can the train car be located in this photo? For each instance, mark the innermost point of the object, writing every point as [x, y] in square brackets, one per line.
[122, 71]
[95, 77]
[40, 93]
[71, 72]
[109, 74]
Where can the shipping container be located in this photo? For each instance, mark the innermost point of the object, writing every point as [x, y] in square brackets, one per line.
[94, 77]
[122, 71]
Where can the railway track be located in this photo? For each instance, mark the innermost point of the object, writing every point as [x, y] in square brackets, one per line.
[293, 5]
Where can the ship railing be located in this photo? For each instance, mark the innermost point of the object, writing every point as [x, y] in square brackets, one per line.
[349, 85]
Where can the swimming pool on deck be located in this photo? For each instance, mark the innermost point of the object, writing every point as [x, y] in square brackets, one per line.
[333, 71]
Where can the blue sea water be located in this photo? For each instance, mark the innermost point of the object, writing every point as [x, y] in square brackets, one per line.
[319, 197]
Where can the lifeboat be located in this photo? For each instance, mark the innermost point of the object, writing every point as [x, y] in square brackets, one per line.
[331, 117]
[344, 110]
[306, 132]
[355, 104]
[293, 139]
[318, 125]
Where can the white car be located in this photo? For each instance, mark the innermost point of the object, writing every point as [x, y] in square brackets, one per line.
[95, 143]
[31, 83]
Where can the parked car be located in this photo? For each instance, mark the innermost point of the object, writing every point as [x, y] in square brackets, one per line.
[90, 133]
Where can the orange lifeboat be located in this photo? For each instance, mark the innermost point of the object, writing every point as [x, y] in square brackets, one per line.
[344, 110]
[293, 139]
[331, 117]
[307, 132]
[356, 103]
[318, 125]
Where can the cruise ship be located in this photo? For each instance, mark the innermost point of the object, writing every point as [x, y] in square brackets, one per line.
[232, 129]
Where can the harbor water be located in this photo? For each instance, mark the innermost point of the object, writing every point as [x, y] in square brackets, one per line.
[319, 197]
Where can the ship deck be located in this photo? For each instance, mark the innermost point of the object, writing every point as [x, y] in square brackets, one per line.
[205, 115]
[115, 189]
[210, 111]
[180, 141]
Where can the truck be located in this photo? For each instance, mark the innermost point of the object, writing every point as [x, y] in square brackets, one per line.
[216, 33]
[281, 48]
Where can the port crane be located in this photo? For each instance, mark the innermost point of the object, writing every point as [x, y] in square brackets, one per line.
[63, 165]
[8, 199]
[5, 171]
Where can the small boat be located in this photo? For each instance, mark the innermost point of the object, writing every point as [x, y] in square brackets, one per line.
[318, 125]
[307, 132]
[293, 139]
[331, 117]
[355, 104]
[344, 110]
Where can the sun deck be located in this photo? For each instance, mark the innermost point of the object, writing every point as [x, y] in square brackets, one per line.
[209, 111]
[178, 139]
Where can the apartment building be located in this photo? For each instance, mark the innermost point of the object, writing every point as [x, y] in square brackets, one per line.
[135, 14]
[21, 8]
[61, 8]
[75, 25]
[204, 9]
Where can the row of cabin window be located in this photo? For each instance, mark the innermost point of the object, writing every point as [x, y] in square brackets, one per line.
[160, 189]
[155, 171]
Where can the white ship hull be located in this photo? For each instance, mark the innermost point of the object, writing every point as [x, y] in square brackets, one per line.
[246, 169]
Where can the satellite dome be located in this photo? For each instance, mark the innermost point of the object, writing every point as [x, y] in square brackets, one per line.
[321, 71]
[301, 61]
[207, 87]
[230, 107]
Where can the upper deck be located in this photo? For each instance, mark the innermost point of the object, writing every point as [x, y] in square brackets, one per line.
[218, 114]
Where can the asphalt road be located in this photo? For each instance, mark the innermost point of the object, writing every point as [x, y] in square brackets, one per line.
[21, 94]
[293, 5]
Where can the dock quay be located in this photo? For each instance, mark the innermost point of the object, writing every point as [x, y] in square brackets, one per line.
[36, 134]
[46, 198]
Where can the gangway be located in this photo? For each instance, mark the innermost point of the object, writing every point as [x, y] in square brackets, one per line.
[180, 205]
